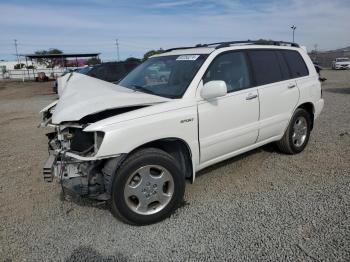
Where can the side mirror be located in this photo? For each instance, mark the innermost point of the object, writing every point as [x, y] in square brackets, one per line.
[213, 89]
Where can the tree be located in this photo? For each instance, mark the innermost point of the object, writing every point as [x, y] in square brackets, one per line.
[19, 66]
[132, 59]
[93, 61]
[151, 53]
[49, 63]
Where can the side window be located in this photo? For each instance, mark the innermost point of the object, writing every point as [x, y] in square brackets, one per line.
[232, 68]
[266, 66]
[296, 63]
[98, 72]
[115, 72]
[109, 72]
[283, 66]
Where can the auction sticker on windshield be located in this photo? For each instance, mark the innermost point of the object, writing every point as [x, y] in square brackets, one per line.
[187, 57]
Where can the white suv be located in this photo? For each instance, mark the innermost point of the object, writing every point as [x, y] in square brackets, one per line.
[341, 63]
[137, 142]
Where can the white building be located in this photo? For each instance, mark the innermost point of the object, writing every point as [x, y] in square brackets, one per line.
[9, 65]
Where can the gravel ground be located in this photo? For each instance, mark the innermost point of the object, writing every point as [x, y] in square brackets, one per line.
[259, 206]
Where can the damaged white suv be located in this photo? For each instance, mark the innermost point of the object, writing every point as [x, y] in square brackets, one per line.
[137, 142]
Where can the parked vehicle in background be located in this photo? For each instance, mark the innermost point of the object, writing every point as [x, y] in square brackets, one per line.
[341, 63]
[137, 142]
[41, 77]
[110, 72]
[82, 70]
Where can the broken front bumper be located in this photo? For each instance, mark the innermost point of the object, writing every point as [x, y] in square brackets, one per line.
[48, 169]
[63, 165]
[84, 176]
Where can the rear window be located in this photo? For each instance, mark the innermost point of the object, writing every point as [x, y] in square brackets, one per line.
[295, 63]
[266, 66]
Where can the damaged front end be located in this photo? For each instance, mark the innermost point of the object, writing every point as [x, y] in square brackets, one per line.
[73, 153]
[71, 160]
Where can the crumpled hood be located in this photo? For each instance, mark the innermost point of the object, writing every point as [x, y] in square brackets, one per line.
[88, 95]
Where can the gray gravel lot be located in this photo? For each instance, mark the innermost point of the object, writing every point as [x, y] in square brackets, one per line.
[259, 206]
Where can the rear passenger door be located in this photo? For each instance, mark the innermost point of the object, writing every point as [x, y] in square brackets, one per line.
[278, 91]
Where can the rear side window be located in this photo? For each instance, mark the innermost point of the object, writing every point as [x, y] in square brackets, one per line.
[98, 72]
[115, 71]
[232, 68]
[295, 63]
[266, 66]
[283, 66]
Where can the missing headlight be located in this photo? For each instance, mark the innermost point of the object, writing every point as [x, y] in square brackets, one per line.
[98, 140]
[82, 142]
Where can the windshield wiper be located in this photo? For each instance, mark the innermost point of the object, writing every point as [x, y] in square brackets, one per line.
[141, 88]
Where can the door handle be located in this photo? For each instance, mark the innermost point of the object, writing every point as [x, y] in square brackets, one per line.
[290, 86]
[251, 96]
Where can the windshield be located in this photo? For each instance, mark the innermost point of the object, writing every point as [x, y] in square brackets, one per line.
[167, 76]
[342, 59]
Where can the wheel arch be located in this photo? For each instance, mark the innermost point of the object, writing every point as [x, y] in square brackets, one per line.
[310, 108]
[177, 148]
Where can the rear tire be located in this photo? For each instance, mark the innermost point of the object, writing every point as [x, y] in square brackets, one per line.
[147, 188]
[297, 134]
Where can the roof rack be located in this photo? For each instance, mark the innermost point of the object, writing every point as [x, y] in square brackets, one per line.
[255, 42]
[219, 45]
[185, 47]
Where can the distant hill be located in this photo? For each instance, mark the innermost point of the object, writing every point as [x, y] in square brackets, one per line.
[344, 49]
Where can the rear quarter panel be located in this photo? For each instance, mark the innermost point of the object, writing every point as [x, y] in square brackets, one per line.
[309, 86]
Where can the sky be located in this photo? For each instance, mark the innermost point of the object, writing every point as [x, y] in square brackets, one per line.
[141, 25]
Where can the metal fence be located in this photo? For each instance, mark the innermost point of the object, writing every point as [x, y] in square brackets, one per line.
[30, 74]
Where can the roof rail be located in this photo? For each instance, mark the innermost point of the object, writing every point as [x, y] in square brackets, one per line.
[254, 42]
[186, 47]
[219, 45]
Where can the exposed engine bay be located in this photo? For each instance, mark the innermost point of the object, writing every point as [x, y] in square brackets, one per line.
[71, 155]
[71, 161]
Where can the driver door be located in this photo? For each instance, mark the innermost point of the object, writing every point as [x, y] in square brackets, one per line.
[228, 123]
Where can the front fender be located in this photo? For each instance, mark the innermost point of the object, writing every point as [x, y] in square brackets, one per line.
[125, 136]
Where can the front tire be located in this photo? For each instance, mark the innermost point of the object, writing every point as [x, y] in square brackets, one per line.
[297, 134]
[147, 187]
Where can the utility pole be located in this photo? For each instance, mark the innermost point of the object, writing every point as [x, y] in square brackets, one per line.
[293, 28]
[117, 44]
[16, 51]
[315, 48]
[18, 58]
